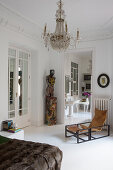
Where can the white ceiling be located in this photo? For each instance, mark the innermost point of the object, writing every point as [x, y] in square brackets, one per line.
[87, 15]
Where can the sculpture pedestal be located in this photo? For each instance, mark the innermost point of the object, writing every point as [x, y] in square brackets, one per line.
[51, 107]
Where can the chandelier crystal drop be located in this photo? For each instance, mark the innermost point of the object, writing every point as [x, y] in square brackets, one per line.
[60, 39]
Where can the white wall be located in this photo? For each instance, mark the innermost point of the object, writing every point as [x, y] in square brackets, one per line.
[40, 69]
[41, 66]
[41, 62]
[84, 63]
[7, 37]
[102, 62]
[19, 32]
[34, 87]
[70, 57]
[3, 76]
[57, 63]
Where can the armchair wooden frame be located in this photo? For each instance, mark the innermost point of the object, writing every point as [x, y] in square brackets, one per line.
[86, 131]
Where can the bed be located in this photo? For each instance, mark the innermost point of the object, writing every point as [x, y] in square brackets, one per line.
[25, 155]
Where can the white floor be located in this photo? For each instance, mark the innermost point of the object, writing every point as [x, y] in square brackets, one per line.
[93, 155]
[78, 117]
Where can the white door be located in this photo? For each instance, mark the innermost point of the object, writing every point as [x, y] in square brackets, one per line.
[19, 86]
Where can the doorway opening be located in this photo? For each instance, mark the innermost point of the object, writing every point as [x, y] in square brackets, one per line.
[78, 87]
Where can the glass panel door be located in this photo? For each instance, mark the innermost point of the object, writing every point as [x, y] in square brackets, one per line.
[20, 95]
[23, 83]
[18, 86]
[11, 82]
[74, 76]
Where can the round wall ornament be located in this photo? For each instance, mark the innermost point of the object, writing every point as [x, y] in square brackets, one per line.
[103, 80]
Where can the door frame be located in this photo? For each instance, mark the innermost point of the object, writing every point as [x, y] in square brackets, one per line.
[23, 120]
[93, 50]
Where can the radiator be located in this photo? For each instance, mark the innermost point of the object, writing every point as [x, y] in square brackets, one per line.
[103, 103]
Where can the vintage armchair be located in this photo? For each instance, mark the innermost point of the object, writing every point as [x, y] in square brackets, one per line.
[97, 124]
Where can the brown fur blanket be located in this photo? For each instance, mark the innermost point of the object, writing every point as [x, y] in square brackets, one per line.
[25, 155]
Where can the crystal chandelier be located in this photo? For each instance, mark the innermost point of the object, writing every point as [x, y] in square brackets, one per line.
[60, 39]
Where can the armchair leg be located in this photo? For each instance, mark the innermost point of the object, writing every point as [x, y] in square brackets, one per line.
[77, 136]
[65, 131]
[108, 130]
[89, 134]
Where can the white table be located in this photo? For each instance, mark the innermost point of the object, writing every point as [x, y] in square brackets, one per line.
[18, 135]
[70, 104]
[86, 105]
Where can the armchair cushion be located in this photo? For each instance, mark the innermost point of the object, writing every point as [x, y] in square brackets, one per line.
[99, 118]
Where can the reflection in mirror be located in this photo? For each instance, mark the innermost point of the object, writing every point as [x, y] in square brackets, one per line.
[11, 87]
[23, 85]
[74, 76]
[66, 84]
[20, 86]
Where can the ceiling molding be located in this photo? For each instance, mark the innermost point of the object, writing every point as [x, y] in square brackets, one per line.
[14, 22]
[19, 15]
[108, 23]
[16, 28]
[18, 23]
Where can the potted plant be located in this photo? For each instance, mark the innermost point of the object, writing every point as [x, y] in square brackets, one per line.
[87, 95]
